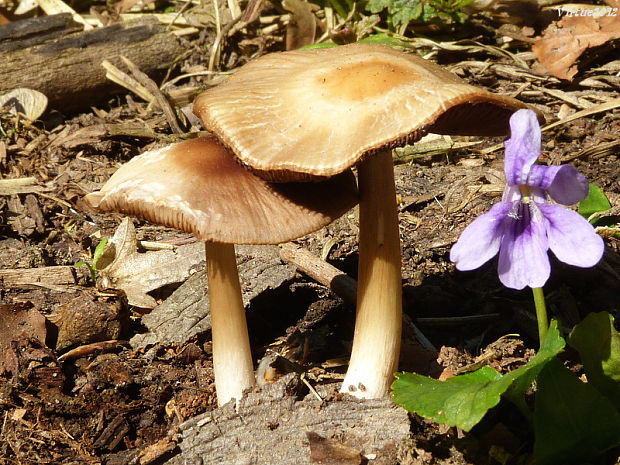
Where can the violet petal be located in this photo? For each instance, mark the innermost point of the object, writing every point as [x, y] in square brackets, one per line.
[480, 240]
[571, 238]
[511, 194]
[523, 258]
[523, 147]
[564, 183]
[538, 195]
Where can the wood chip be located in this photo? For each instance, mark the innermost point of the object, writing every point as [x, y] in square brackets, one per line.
[20, 186]
[29, 278]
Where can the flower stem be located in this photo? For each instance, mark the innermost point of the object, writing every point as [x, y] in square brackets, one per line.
[541, 313]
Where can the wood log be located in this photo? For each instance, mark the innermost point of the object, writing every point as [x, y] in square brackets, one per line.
[67, 68]
[32, 31]
[274, 427]
[186, 312]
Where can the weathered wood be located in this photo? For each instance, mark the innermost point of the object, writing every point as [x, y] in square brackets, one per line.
[32, 31]
[272, 426]
[20, 186]
[68, 69]
[186, 312]
[340, 283]
[28, 278]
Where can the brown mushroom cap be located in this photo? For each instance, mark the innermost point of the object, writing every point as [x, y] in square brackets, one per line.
[321, 111]
[197, 186]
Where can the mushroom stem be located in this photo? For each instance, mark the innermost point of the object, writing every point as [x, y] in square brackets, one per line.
[378, 323]
[232, 358]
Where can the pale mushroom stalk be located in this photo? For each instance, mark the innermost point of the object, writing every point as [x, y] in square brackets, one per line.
[232, 357]
[376, 344]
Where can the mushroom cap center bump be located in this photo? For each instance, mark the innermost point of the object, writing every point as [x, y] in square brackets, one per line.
[305, 114]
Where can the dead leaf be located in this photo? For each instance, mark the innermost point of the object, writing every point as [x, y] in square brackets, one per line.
[565, 40]
[28, 102]
[15, 320]
[139, 273]
[21, 216]
[86, 319]
[301, 29]
[329, 452]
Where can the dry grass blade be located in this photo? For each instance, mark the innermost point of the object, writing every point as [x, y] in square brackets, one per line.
[52, 7]
[441, 146]
[19, 186]
[612, 104]
[160, 98]
[123, 79]
[468, 46]
[597, 150]
[615, 103]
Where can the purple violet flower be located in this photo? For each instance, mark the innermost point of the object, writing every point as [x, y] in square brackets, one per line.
[524, 225]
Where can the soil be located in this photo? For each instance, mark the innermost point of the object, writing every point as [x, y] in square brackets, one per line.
[74, 390]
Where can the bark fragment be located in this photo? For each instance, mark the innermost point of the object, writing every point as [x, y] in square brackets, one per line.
[271, 427]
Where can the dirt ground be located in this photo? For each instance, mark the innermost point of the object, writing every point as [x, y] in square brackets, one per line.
[74, 390]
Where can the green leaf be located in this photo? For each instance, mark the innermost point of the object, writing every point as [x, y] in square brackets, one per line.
[402, 12]
[376, 6]
[99, 251]
[460, 401]
[598, 344]
[91, 270]
[385, 39]
[463, 3]
[573, 422]
[596, 201]
[321, 45]
[464, 400]
[342, 8]
[525, 375]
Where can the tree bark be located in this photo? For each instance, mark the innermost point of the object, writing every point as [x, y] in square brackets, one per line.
[66, 65]
[275, 427]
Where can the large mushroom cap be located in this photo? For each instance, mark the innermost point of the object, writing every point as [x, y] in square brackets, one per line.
[198, 187]
[320, 111]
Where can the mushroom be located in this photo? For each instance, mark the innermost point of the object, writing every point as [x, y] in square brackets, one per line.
[314, 113]
[198, 187]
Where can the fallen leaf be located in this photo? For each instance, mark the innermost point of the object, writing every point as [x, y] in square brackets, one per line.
[565, 40]
[86, 319]
[28, 102]
[137, 274]
[28, 215]
[301, 29]
[15, 320]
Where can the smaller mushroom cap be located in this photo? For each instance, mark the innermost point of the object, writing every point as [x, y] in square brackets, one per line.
[318, 112]
[197, 186]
